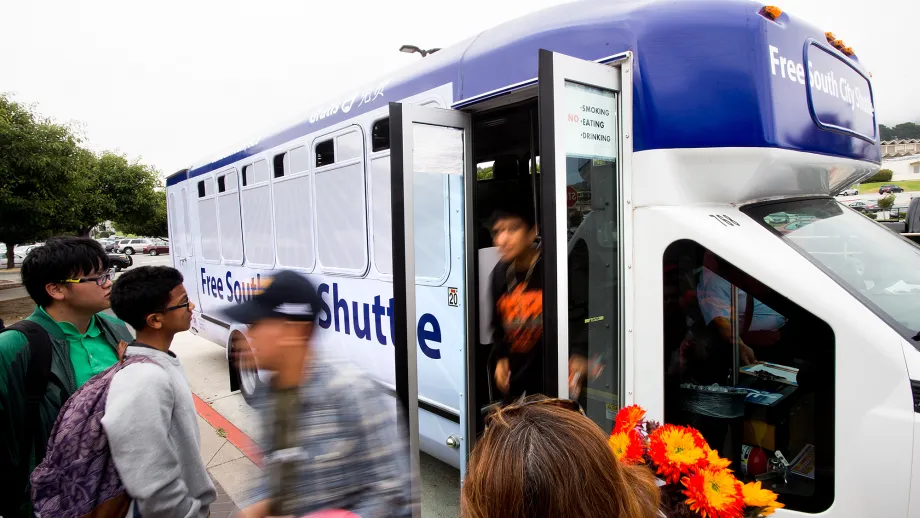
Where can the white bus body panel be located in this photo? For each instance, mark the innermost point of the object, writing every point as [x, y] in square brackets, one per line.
[440, 362]
[874, 425]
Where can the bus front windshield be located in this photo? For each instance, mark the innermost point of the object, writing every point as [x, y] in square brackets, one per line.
[882, 268]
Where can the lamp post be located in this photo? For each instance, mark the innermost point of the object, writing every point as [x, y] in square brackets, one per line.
[412, 49]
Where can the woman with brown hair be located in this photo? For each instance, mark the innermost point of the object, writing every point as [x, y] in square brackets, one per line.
[543, 458]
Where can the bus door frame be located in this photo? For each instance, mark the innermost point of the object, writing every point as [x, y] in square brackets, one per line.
[614, 74]
[403, 117]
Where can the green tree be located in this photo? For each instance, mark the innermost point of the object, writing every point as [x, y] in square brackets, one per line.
[883, 175]
[109, 187]
[886, 202]
[36, 159]
[148, 219]
[904, 130]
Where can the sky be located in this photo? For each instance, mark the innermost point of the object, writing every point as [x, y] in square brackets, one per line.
[172, 81]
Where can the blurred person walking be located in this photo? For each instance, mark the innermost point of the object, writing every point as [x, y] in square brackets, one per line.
[543, 458]
[329, 438]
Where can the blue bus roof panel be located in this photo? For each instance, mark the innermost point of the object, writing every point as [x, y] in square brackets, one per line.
[712, 73]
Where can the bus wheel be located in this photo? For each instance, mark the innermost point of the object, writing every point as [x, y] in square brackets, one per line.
[245, 373]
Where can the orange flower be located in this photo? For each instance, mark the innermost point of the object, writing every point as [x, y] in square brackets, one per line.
[628, 417]
[714, 493]
[754, 496]
[712, 457]
[627, 446]
[676, 450]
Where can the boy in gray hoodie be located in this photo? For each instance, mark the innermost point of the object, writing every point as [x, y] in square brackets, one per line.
[150, 419]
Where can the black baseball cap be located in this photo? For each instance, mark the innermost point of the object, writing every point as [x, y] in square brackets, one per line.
[288, 295]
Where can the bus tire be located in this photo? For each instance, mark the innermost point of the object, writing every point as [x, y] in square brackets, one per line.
[245, 378]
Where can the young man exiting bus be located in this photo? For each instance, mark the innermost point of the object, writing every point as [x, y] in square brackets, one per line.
[69, 342]
[517, 292]
[330, 438]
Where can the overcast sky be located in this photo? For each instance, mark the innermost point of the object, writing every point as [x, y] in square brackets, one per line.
[172, 81]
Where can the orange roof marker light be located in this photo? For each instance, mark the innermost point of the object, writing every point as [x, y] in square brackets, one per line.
[771, 11]
[838, 44]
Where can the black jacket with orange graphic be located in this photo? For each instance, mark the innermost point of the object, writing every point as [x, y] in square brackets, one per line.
[517, 324]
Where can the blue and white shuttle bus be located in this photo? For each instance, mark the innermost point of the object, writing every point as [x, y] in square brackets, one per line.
[682, 159]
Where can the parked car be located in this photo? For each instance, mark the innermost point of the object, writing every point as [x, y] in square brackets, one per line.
[157, 248]
[863, 206]
[131, 246]
[120, 261]
[852, 191]
[885, 189]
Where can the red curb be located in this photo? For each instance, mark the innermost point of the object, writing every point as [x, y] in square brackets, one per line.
[234, 434]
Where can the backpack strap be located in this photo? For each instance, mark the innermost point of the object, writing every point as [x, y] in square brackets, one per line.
[38, 373]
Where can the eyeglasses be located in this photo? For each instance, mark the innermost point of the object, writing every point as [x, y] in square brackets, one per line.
[173, 308]
[100, 280]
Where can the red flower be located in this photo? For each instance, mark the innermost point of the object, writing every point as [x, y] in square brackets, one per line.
[677, 450]
[627, 446]
[628, 418]
[714, 493]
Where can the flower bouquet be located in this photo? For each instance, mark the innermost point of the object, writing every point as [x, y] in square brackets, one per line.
[694, 480]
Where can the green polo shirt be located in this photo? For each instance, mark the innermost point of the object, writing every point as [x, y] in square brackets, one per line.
[90, 353]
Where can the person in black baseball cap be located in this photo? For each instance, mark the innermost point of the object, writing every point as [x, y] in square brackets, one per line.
[330, 440]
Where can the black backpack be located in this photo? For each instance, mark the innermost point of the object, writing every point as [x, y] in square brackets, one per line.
[36, 383]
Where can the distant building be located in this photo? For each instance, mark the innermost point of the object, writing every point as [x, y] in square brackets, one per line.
[900, 147]
[906, 167]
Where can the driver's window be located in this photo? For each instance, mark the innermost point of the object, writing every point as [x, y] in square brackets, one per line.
[753, 371]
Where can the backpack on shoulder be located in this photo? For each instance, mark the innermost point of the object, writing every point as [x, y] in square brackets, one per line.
[78, 478]
[13, 472]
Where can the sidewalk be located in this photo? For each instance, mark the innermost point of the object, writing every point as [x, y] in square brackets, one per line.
[227, 464]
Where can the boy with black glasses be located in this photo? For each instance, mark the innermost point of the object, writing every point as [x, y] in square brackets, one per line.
[45, 358]
[150, 419]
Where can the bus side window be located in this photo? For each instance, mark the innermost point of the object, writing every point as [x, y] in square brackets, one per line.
[341, 203]
[380, 135]
[257, 221]
[325, 153]
[207, 220]
[293, 205]
[228, 211]
[780, 397]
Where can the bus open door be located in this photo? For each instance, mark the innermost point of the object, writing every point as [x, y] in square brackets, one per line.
[582, 113]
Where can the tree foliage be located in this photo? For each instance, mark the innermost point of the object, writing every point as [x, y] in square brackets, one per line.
[109, 187]
[36, 157]
[148, 219]
[50, 185]
[886, 202]
[883, 175]
[905, 130]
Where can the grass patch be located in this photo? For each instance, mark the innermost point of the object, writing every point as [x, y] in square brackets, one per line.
[221, 433]
[872, 188]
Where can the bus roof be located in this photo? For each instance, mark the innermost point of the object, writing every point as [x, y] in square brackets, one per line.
[711, 73]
